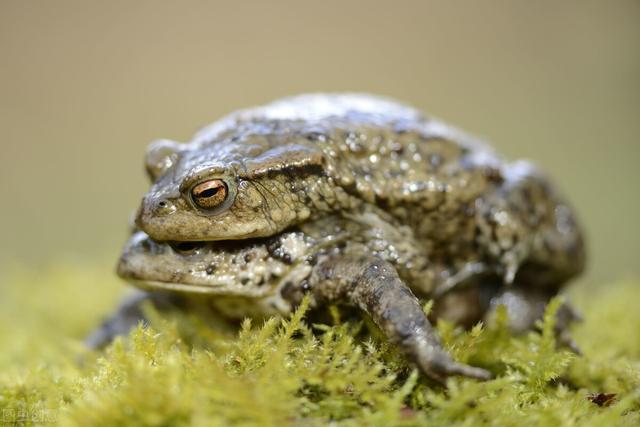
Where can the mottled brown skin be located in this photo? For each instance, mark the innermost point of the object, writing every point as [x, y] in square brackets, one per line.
[355, 200]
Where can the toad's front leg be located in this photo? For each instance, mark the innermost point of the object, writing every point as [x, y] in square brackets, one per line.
[373, 285]
[128, 314]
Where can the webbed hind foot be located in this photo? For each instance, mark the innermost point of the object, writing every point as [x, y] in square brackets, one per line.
[526, 306]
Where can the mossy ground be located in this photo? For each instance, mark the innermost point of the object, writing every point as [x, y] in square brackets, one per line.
[287, 372]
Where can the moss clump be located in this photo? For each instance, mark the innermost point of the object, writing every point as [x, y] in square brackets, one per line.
[287, 372]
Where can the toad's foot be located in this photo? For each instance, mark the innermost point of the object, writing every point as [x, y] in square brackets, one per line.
[526, 305]
[128, 315]
[373, 285]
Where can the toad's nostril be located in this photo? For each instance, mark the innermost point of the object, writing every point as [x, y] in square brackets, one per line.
[163, 207]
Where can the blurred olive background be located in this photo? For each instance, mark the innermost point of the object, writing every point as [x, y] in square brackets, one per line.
[86, 85]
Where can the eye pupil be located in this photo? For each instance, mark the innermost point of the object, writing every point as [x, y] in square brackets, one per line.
[209, 194]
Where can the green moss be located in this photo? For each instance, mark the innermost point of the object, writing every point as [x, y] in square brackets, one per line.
[287, 372]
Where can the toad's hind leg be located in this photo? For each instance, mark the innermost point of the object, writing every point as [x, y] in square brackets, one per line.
[128, 314]
[526, 305]
[374, 286]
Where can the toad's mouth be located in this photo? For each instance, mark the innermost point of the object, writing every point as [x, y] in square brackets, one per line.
[186, 248]
[190, 247]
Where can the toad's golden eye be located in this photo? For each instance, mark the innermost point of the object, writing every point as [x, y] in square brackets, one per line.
[209, 194]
